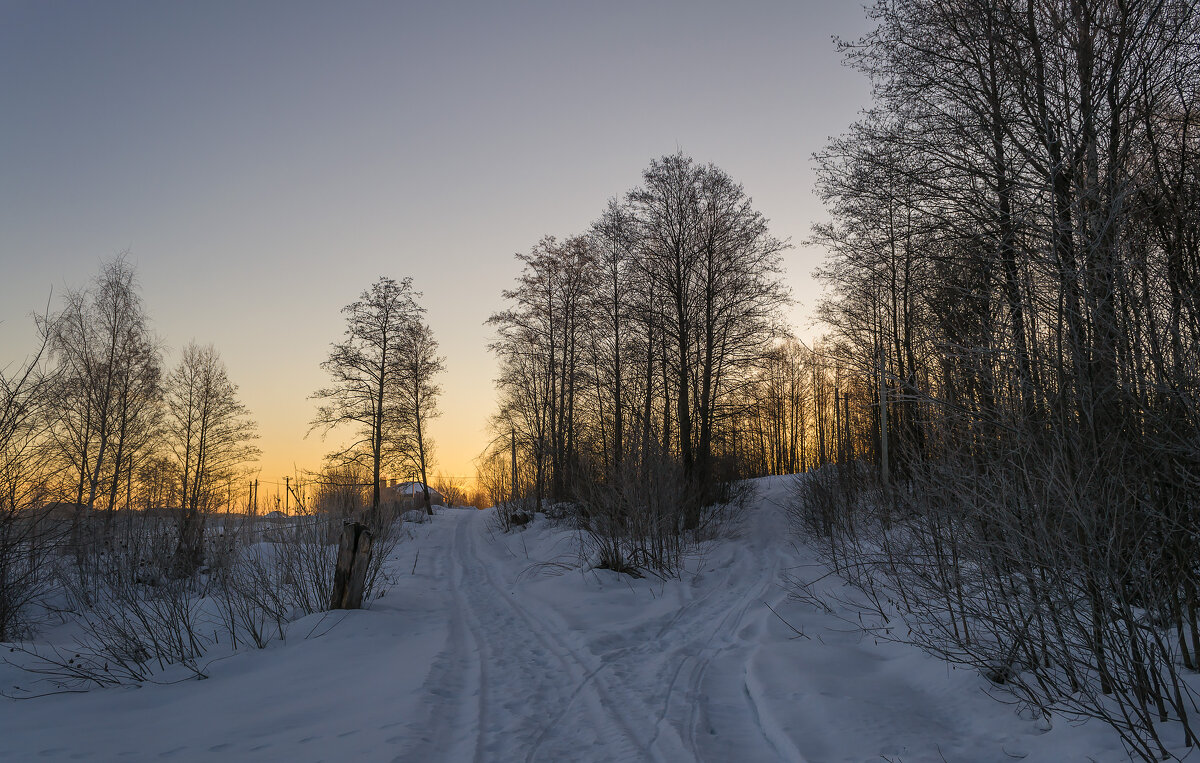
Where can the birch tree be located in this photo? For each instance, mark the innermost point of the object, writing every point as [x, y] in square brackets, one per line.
[417, 365]
[109, 378]
[210, 436]
[370, 394]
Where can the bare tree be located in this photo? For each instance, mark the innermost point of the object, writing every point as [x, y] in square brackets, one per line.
[614, 241]
[718, 266]
[541, 346]
[1008, 241]
[416, 365]
[26, 535]
[366, 371]
[625, 359]
[362, 367]
[109, 376]
[210, 437]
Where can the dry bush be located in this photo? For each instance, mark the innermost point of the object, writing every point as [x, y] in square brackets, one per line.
[137, 616]
[28, 539]
[646, 518]
[341, 490]
[306, 549]
[1053, 579]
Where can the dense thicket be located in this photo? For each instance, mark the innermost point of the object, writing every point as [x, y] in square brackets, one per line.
[1015, 235]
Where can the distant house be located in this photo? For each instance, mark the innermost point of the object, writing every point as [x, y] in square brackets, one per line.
[410, 495]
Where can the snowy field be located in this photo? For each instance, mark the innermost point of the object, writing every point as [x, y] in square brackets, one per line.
[496, 647]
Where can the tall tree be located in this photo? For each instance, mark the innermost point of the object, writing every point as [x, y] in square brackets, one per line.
[541, 347]
[365, 368]
[613, 239]
[650, 325]
[1010, 237]
[718, 267]
[416, 392]
[109, 375]
[210, 437]
[25, 395]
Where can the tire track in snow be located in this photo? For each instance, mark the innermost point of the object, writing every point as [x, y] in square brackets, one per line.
[449, 729]
[685, 706]
[721, 639]
[657, 692]
[612, 728]
[678, 710]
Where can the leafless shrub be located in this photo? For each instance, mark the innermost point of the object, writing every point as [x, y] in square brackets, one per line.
[28, 534]
[306, 552]
[27, 567]
[642, 522]
[137, 617]
[131, 626]
[513, 514]
[254, 602]
[1029, 580]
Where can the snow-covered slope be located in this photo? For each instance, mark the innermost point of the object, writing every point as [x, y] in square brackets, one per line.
[496, 647]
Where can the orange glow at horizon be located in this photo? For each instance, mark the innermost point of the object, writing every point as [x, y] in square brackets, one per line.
[262, 168]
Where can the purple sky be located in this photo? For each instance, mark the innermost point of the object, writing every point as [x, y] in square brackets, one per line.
[265, 162]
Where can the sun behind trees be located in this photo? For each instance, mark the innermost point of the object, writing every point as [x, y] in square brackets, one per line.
[625, 354]
[383, 385]
[1014, 237]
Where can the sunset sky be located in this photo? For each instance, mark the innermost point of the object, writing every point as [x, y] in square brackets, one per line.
[263, 163]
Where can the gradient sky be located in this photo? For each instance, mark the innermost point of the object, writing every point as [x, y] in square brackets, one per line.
[264, 162]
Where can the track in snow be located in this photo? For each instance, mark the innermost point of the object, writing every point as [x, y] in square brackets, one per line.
[517, 680]
[474, 655]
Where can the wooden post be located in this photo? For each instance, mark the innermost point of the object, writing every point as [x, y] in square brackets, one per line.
[350, 575]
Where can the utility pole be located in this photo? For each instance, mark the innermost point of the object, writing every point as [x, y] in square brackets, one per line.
[287, 491]
[849, 447]
[514, 464]
[837, 425]
[883, 428]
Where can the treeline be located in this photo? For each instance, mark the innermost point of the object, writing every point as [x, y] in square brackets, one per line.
[95, 422]
[633, 358]
[124, 503]
[1015, 260]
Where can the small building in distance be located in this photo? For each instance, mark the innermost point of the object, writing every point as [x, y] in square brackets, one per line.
[410, 495]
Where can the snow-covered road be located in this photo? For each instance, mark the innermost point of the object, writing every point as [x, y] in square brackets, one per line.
[538, 672]
[481, 651]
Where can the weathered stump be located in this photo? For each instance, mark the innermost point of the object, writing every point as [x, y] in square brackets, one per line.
[350, 575]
